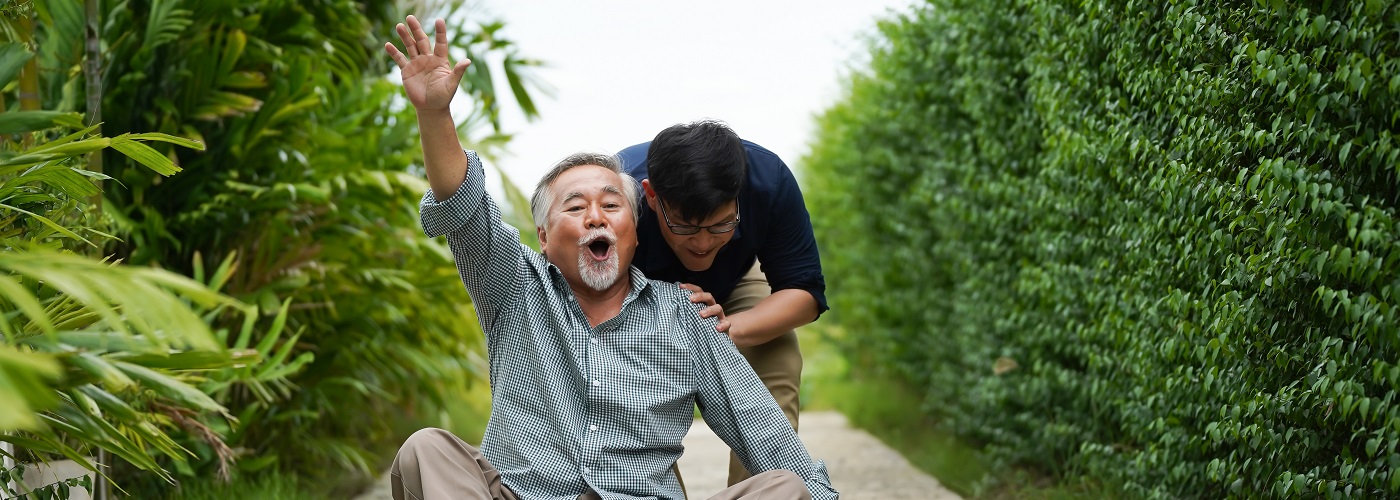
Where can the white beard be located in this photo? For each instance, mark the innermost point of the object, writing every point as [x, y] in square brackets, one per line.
[598, 275]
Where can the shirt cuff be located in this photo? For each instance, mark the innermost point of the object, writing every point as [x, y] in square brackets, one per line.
[819, 483]
[442, 217]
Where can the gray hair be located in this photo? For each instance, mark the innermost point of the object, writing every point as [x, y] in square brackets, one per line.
[543, 197]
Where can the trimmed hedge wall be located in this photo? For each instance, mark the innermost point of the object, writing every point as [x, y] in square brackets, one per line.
[1152, 244]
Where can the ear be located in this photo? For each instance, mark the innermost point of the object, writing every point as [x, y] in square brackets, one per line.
[650, 194]
[544, 240]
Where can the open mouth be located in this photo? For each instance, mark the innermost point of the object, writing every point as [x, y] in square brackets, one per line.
[600, 248]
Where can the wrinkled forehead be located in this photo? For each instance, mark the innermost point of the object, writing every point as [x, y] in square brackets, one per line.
[586, 181]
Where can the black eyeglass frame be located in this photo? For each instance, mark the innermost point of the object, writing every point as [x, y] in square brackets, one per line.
[687, 229]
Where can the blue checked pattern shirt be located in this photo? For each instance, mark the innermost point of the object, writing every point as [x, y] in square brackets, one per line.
[577, 408]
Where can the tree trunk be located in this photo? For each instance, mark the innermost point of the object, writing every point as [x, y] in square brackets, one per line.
[92, 71]
[29, 74]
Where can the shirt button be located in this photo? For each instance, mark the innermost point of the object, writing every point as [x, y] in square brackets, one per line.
[586, 470]
[593, 340]
[597, 383]
[592, 427]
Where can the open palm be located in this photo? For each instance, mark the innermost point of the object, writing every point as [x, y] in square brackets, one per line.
[429, 77]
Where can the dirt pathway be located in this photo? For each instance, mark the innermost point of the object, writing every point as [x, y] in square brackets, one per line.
[861, 467]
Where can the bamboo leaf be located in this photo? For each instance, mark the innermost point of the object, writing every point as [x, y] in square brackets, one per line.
[49, 444]
[144, 155]
[63, 178]
[185, 360]
[20, 296]
[63, 140]
[170, 387]
[24, 386]
[17, 122]
[235, 40]
[223, 273]
[282, 352]
[103, 370]
[172, 139]
[26, 160]
[245, 80]
[53, 225]
[12, 59]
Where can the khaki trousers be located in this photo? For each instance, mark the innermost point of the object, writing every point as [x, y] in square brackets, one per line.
[778, 363]
[434, 464]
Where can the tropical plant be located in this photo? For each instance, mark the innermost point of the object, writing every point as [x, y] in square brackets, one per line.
[310, 175]
[99, 356]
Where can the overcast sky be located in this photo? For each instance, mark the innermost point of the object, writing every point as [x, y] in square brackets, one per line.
[622, 70]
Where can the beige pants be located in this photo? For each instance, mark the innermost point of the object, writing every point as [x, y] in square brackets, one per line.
[778, 363]
[434, 464]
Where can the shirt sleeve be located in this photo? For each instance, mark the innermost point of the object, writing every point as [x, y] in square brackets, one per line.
[789, 256]
[740, 410]
[488, 252]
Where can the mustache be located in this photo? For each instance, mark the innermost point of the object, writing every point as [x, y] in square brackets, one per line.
[598, 234]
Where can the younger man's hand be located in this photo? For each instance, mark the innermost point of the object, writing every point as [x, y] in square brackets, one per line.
[711, 310]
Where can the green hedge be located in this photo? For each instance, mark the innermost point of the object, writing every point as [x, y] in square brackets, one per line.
[1152, 244]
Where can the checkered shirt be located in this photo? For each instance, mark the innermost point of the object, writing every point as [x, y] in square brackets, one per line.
[576, 407]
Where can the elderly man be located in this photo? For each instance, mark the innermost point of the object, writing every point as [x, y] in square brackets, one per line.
[594, 368]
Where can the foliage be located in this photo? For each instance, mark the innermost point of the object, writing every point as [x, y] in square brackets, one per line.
[309, 175]
[1152, 244]
[9, 479]
[273, 486]
[99, 356]
[136, 361]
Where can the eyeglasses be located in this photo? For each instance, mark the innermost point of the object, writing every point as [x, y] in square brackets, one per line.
[686, 229]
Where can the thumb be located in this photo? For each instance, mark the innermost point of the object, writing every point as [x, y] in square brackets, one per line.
[460, 69]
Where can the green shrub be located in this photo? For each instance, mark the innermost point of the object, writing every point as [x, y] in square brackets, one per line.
[97, 356]
[308, 176]
[1150, 243]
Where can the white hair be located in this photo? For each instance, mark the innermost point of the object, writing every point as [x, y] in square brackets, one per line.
[543, 197]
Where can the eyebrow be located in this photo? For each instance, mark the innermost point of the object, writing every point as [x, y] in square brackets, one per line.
[579, 194]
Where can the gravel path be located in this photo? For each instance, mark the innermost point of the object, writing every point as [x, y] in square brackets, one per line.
[861, 467]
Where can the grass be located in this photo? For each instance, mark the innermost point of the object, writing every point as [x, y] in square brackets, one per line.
[270, 486]
[890, 411]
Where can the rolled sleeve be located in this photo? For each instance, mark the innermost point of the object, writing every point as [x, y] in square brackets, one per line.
[489, 256]
[789, 257]
[445, 216]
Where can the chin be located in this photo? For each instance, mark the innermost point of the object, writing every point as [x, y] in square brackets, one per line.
[698, 266]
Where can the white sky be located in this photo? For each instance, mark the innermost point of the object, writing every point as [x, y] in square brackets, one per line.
[622, 70]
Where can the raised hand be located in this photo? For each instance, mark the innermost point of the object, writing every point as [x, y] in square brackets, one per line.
[429, 78]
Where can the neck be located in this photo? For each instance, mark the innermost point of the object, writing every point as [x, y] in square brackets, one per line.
[602, 305]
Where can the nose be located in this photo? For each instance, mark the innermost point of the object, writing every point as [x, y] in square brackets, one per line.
[594, 216]
[703, 239]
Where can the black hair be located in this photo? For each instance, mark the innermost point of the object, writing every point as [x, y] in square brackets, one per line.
[696, 167]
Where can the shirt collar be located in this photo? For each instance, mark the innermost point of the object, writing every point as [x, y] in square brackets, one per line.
[638, 285]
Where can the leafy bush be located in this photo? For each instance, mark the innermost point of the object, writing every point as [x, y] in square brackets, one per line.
[99, 357]
[1153, 244]
[308, 178]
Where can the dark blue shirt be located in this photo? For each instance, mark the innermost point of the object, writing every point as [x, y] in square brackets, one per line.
[773, 227]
